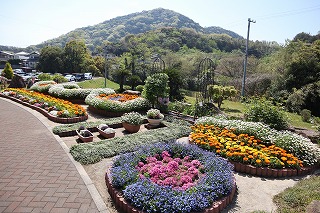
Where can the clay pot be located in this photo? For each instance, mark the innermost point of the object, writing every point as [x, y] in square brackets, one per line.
[131, 128]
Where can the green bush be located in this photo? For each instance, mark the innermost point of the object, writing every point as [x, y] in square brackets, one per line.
[156, 86]
[7, 71]
[45, 77]
[264, 111]
[139, 88]
[306, 115]
[58, 78]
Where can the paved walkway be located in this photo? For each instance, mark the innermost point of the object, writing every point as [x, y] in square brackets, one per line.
[36, 171]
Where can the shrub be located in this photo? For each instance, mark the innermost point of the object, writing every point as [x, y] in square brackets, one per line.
[156, 86]
[7, 71]
[45, 77]
[139, 88]
[295, 101]
[264, 111]
[58, 78]
[306, 115]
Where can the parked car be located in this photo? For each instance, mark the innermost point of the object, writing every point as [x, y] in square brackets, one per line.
[87, 76]
[18, 71]
[70, 77]
[79, 76]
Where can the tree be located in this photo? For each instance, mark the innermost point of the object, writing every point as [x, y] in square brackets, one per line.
[220, 93]
[156, 87]
[75, 56]
[134, 80]
[7, 71]
[176, 82]
[51, 60]
[304, 67]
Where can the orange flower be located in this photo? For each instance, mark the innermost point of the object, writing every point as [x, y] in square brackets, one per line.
[245, 159]
[283, 158]
[250, 156]
[258, 161]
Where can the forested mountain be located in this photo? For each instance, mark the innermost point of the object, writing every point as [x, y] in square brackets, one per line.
[117, 28]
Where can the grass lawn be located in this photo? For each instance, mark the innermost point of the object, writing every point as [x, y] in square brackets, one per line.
[98, 83]
[236, 109]
[296, 198]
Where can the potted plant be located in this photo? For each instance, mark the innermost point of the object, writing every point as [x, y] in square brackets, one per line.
[84, 134]
[106, 131]
[154, 117]
[131, 121]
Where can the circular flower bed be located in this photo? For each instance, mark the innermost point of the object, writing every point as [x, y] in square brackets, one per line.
[172, 178]
[72, 92]
[242, 147]
[116, 103]
[42, 86]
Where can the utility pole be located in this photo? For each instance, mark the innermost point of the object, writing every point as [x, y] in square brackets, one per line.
[246, 58]
[105, 70]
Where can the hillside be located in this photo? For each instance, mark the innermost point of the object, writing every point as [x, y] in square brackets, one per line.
[114, 29]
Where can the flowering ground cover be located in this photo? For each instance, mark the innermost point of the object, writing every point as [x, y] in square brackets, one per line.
[68, 91]
[42, 86]
[150, 180]
[90, 153]
[242, 147]
[117, 102]
[56, 107]
[255, 143]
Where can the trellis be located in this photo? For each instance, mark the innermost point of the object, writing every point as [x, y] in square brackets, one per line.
[205, 77]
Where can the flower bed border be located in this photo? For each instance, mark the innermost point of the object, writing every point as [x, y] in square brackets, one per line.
[105, 112]
[269, 172]
[124, 206]
[46, 114]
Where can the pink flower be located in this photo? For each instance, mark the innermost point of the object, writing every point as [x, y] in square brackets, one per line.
[173, 165]
[196, 163]
[187, 186]
[186, 179]
[178, 160]
[151, 159]
[165, 154]
[140, 164]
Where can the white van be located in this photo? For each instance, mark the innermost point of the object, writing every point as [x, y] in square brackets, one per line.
[87, 76]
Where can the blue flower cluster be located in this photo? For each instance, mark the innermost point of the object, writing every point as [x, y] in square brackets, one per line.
[150, 197]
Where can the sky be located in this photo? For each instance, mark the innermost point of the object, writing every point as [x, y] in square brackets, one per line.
[30, 22]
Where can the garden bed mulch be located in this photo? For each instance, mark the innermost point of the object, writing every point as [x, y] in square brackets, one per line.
[46, 114]
[126, 207]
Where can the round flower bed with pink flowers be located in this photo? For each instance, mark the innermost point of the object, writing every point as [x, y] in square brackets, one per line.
[170, 178]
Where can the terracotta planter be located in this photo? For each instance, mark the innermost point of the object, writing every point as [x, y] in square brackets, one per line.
[131, 128]
[154, 122]
[85, 139]
[106, 135]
